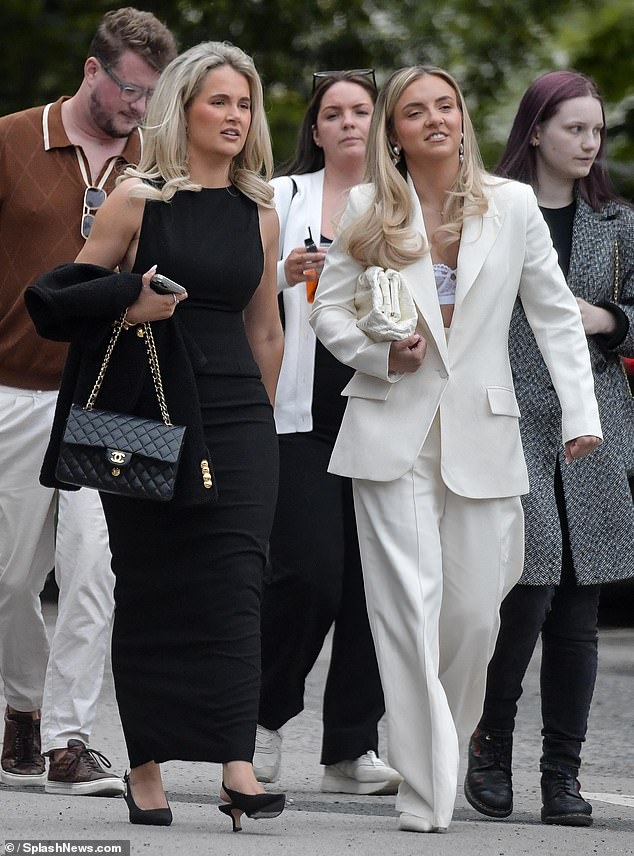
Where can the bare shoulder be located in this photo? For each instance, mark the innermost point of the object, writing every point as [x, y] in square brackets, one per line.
[123, 209]
[269, 223]
[127, 194]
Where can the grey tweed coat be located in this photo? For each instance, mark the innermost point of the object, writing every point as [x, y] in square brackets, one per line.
[598, 500]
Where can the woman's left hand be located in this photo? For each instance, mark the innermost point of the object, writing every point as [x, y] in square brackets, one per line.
[595, 319]
[150, 306]
[580, 447]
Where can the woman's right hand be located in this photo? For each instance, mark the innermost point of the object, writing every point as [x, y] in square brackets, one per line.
[299, 261]
[150, 306]
[407, 355]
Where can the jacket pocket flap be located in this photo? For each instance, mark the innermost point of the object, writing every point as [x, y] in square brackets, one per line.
[502, 401]
[366, 386]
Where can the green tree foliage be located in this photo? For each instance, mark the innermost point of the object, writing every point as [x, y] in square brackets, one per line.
[44, 45]
[494, 48]
[600, 41]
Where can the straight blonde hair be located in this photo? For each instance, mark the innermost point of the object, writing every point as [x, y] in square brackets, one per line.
[383, 234]
[163, 165]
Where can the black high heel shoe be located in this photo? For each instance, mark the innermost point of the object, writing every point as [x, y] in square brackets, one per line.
[147, 816]
[253, 805]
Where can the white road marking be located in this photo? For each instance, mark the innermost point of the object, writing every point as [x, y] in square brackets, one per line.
[614, 799]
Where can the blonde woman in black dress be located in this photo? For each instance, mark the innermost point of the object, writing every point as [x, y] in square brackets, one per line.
[186, 638]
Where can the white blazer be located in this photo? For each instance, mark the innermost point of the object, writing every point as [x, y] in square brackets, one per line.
[296, 212]
[503, 254]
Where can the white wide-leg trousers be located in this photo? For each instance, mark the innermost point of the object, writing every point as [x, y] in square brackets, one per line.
[66, 684]
[436, 567]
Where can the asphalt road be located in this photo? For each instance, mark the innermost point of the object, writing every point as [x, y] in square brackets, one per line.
[316, 823]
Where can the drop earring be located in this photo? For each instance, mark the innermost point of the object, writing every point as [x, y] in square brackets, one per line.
[396, 153]
[461, 150]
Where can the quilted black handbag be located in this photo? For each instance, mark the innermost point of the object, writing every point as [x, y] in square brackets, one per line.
[117, 452]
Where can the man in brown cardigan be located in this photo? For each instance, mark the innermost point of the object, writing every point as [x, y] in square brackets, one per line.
[57, 163]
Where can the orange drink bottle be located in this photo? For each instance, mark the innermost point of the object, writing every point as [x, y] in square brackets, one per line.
[311, 273]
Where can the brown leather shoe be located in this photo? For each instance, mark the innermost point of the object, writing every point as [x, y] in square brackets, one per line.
[77, 770]
[22, 760]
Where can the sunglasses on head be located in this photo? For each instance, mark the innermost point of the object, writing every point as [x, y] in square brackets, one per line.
[318, 76]
[94, 198]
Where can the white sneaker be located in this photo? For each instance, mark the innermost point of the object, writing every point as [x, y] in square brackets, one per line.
[365, 775]
[267, 759]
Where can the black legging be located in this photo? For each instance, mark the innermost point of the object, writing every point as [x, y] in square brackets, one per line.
[315, 579]
[566, 615]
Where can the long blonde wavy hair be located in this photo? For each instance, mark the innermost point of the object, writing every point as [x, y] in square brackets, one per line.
[383, 234]
[163, 165]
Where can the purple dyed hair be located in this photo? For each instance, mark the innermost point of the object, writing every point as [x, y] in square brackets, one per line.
[539, 103]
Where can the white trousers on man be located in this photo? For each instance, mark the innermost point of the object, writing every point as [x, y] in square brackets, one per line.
[39, 530]
[436, 567]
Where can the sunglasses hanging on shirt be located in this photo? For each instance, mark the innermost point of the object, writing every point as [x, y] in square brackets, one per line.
[94, 197]
[94, 194]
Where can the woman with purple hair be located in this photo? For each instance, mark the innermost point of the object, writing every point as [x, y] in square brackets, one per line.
[579, 520]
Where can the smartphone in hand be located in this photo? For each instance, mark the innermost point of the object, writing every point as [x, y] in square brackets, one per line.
[164, 285]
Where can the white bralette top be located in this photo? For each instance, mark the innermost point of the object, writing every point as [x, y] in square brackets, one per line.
[445, 283]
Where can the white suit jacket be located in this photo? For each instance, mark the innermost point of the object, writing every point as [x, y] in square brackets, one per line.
[503, 254]
[296, 211]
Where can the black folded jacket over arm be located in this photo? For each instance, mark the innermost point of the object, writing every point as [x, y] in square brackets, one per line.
[73, 301]
[79, 303]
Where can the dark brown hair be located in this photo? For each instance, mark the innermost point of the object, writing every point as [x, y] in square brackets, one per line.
[308, 156]
[540, 102]
[129, 29]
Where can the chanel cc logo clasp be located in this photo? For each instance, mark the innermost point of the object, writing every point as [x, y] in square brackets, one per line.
[118, 458]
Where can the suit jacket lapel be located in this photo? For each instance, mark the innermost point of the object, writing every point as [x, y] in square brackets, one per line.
[422, 284]
[478, 236]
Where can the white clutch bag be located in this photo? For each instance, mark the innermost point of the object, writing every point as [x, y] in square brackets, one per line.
[384, 305]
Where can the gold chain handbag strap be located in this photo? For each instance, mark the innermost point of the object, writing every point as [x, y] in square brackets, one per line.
[156, 372]
[118, 327]
[617, 273]
[615, 296]
[150, 346]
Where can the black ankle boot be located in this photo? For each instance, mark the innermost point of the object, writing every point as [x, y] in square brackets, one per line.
[562, 802]
[487, 785]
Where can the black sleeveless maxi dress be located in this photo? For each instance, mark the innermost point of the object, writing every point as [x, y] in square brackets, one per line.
[186, 634]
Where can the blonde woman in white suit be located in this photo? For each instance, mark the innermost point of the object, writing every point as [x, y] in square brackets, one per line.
[430, 435]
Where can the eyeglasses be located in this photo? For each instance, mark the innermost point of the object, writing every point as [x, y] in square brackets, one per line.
[129, 92]
[362, 72]
[94, 198]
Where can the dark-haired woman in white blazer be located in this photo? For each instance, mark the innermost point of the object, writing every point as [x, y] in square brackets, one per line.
[314, 580]
[430, 436]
